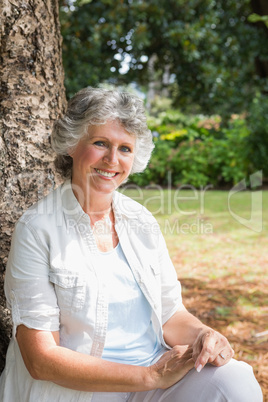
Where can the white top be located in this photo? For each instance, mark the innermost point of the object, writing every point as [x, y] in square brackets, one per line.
[52, 283]
[130, 335]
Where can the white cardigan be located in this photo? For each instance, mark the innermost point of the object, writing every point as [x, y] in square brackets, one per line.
[52, 284]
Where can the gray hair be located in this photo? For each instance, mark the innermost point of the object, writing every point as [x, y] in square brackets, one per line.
[97, 106]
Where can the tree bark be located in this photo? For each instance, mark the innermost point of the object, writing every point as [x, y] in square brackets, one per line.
[32, 96]
[260, 7]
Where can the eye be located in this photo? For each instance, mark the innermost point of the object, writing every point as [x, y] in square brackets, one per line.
[99, 143]
[125, 149]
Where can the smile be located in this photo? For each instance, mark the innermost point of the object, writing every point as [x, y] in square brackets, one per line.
[106, 174]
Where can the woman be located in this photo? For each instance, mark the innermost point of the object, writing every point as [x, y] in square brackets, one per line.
[95, 301]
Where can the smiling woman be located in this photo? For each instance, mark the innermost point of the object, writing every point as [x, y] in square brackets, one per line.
[103, 159]
[96, 305]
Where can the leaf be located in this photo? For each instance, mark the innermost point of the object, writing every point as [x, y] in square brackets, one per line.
[82, 2]
[257, 18]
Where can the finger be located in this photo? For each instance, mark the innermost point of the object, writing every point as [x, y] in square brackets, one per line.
[223, 357]
[220, 344]
[220, 360]
[173, 357]
[207, 352]
[188, 352]
[182, 353]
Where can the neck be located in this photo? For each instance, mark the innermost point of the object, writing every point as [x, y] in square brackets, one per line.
[93, 202]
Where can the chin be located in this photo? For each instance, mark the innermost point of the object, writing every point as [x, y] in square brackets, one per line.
[108, 188]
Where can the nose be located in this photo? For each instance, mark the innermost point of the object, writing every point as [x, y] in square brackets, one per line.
[111, 157]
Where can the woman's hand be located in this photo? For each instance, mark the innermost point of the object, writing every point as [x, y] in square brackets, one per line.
[172, 367]
[211, 347]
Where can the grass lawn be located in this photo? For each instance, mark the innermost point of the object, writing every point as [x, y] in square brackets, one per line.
[219, 246]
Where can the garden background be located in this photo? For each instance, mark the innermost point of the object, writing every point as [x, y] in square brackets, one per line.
[201, 68]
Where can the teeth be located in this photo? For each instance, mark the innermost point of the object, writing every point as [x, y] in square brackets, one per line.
[106, 174]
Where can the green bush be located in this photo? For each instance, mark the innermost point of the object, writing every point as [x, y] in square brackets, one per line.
[156, 172]
[217, 161]
[257, 142]
[235, 162]
[199, 151]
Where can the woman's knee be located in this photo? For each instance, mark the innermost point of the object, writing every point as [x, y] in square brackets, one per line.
[234, 382]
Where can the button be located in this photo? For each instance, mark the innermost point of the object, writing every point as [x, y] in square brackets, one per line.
[141, 280]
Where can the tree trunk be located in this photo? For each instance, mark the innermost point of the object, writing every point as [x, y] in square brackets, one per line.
[31, 97]
[152, 82]
[261, 7]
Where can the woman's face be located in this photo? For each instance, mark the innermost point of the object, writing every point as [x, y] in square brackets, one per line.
[103, 158]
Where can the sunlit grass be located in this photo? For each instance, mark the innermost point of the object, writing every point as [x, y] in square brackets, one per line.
[207, 236]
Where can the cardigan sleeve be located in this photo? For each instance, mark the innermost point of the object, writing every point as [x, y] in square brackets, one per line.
[29, 293]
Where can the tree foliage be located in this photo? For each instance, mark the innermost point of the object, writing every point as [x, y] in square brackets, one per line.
[202, 52]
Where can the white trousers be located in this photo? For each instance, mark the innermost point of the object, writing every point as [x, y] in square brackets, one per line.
[234, 382]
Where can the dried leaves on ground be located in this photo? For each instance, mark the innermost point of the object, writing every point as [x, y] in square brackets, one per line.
[228, 290]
